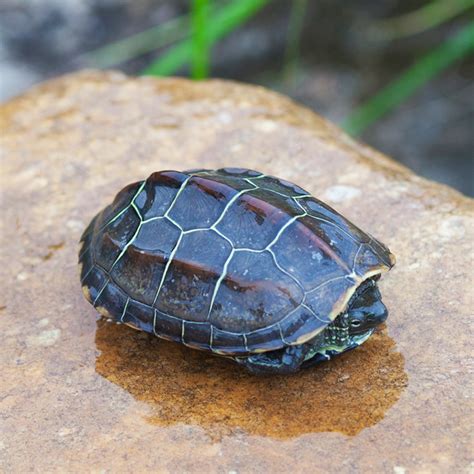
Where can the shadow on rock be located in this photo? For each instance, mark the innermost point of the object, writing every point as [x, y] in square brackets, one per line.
[182, 385]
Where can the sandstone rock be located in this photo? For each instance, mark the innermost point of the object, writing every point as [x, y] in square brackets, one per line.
[82, 394]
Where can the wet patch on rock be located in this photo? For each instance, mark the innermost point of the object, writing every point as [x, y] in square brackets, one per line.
[181, 385]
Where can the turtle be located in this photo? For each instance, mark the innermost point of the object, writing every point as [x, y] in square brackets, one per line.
[236, 262]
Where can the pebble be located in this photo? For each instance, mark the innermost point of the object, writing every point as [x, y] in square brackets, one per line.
[452, 228]
[266, 126]
[341, 193]
[45, 338]
[43, 322]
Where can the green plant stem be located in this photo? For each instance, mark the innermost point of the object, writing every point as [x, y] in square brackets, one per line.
[422, 71]
[224, 21]
[201, 52]
[141, 43]
[295, 27]
[430, 15]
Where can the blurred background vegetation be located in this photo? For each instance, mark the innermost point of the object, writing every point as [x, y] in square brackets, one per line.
[397, 74]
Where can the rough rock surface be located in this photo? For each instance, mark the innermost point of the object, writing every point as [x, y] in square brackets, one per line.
[79, 393]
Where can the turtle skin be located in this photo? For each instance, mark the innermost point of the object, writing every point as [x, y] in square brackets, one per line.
[230, 261]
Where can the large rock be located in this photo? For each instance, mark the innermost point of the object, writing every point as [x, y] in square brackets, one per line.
[81, 394]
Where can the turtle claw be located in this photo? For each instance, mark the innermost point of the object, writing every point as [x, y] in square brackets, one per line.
[282, 361]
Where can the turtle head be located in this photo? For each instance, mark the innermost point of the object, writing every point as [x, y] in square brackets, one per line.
[365, 310]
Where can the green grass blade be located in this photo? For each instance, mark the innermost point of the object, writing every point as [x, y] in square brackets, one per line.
[141, 43]
[222, 23]
[201, 50]
[454, 48]
[428, 16]
[295, 27]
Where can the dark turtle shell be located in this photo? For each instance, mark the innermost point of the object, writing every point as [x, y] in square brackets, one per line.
[231, 261]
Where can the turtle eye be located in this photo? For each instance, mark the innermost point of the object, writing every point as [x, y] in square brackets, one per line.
[355, 323]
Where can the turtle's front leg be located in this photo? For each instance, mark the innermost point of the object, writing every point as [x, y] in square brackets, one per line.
[282, 361]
